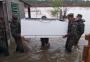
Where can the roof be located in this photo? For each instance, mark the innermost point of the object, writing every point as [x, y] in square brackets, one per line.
[47, 3]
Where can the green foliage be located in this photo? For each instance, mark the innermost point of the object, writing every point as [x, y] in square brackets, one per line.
[56, 4]
[31, 1]
[54, 12]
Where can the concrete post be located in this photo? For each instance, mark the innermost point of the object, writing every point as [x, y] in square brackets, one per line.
[29, 12]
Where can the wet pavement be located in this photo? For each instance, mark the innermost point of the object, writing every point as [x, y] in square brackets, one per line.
[33, 53]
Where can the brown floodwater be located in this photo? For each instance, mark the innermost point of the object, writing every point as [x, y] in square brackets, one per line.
[33, 53]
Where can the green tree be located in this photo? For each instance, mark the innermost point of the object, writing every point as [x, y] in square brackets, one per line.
[56, 4]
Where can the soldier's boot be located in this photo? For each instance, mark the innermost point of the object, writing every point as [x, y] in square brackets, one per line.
[19, 47]
[76, 46]
[68, 48]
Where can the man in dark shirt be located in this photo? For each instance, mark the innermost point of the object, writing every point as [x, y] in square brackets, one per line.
[71, 34]
[80, 28]
[16, 33]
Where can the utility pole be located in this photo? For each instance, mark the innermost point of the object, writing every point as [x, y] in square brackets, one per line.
[7, 31]
[4, 28]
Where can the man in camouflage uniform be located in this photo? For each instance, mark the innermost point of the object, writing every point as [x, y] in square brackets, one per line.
[71, 34]
[80, 28]
[16, 33]
[3, 38]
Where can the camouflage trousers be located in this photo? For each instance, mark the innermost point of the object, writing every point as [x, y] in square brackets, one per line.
[71, 41]
[77, 40]
[19, 44]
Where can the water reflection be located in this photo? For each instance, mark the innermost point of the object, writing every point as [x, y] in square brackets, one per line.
[56, 53]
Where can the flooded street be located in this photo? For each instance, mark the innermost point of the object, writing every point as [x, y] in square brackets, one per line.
[33, 53]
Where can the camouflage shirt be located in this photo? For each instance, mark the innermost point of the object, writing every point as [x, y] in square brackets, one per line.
[72, 28]
[15, 28]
